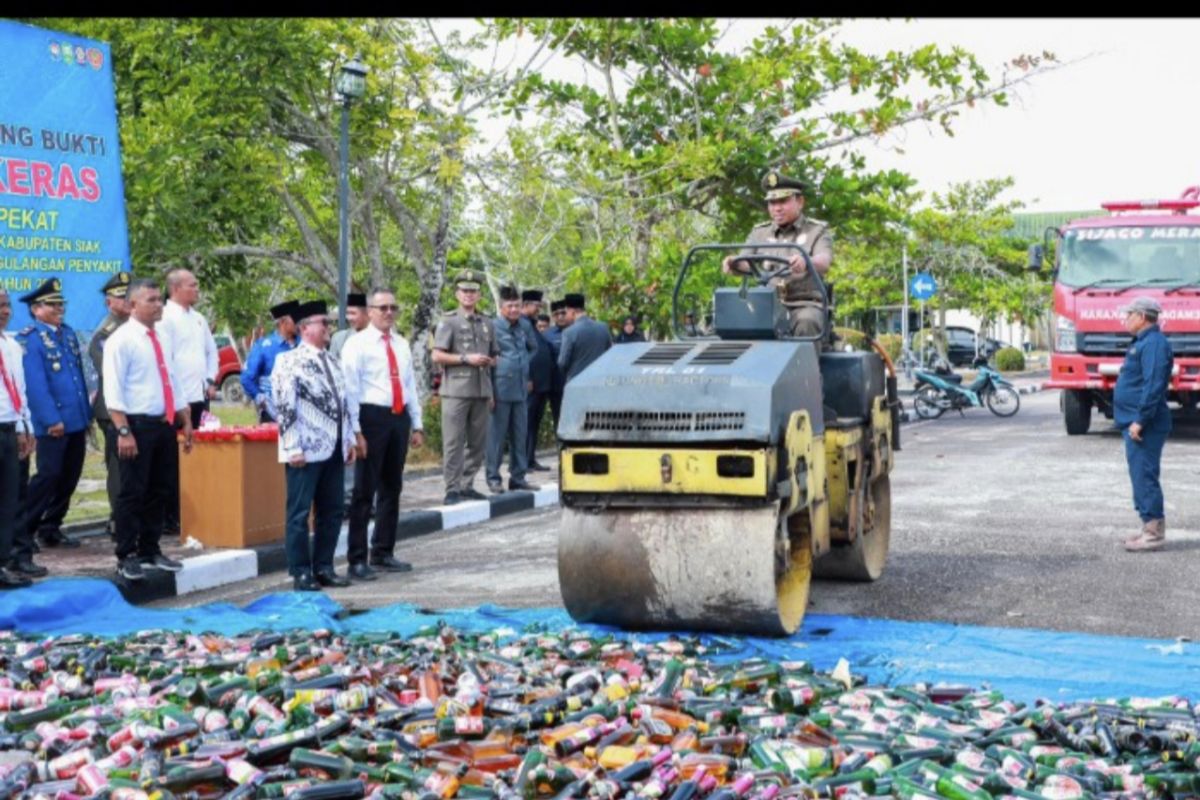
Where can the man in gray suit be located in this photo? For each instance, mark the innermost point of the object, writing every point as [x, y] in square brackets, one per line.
[510, 381]
[583, 342]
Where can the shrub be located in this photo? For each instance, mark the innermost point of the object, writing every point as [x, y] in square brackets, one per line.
[856, 339]
[431, 417]
[892, 344]
[1010, 359]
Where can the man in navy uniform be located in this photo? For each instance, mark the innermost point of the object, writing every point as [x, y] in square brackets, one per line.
[584, 342]
[256, 377]
[553, 337]
[118, 312]
[1140, 411]
[541, 375]
[510, 387]
[58, 401]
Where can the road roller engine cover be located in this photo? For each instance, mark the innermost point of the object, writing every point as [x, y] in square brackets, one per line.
[704, 480]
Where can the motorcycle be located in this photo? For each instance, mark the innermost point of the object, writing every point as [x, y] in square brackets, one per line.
[941, 390]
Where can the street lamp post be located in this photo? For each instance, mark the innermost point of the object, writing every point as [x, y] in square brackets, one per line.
[906, 352]
[351, 86]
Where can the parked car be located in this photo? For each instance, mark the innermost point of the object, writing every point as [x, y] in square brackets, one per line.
[960, 345]
[229, 370]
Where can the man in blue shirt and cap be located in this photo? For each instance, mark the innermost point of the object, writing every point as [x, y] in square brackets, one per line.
[256, 377]
[58, 400]
[1140, 411]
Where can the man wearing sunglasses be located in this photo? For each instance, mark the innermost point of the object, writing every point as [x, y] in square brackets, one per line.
[58, 401]
[381, 391]
[465, 346]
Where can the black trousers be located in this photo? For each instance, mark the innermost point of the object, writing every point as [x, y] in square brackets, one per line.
[537, 409]
[173, 512]
[197, 410]
[321, 484]
[378, 479]
[10, 490]
[146, 487]
[59, 465]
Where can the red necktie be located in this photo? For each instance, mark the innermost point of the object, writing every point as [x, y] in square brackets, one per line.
[168, 395]
[394, 368]
[10, 385]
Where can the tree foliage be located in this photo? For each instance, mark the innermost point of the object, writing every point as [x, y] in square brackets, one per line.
[653, 139]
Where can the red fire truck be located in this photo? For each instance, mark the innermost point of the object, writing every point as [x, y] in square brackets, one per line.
[1144, 247]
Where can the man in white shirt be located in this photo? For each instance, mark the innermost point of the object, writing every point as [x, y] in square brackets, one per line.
[145, 401]
[185, 332]
[381, 390]
[194, 350]
[315, 444]
[16, 443]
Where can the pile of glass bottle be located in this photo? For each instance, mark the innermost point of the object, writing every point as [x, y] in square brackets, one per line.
[321, 715]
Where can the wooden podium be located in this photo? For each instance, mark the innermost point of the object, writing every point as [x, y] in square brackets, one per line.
[231, 487]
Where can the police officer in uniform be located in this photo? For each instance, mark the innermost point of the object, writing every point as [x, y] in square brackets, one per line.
[58, 401]
[357, 319]
[785, 203]
[256, 377]
[118, 312]
[464, 344]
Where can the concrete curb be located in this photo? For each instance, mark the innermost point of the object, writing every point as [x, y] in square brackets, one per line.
[222, 567]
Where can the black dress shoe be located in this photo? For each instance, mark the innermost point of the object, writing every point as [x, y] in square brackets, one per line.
[10, 580]
[522, 486]
[495, 487]
[331, 578]
[28, 568]
[391, 564]
[362, 572]
[451, 499]
[58, 539]
[305, 583]
[471, 494]
[536, 467]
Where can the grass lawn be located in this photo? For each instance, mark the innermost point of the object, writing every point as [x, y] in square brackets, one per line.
[91, 498]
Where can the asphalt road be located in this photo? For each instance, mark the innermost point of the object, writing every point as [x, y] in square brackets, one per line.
[1005, 522]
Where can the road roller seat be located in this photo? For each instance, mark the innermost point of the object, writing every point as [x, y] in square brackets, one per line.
[756, 313]
[850, 382]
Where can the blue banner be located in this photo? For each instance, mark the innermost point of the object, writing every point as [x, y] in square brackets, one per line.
[62, 199]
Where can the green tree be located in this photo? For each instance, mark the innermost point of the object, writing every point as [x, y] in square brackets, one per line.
[665, 123]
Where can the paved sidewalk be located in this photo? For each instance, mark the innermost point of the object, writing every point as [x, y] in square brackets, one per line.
[421, 512]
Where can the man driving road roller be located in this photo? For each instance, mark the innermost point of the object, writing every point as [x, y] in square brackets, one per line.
[801, 296]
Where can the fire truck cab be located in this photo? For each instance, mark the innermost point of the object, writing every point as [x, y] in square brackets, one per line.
[1144, 247]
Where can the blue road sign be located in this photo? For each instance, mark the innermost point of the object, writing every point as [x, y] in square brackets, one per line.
[922, 286]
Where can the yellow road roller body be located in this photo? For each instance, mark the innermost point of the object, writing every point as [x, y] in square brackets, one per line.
[705, 481]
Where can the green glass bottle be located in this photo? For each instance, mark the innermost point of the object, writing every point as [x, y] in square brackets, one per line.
[337, 767]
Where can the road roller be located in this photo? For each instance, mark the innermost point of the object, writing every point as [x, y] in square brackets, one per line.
[705, 480]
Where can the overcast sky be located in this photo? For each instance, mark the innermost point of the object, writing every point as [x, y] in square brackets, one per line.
[1121, 124]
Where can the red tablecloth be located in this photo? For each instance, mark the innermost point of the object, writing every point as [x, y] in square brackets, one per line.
[268, 432]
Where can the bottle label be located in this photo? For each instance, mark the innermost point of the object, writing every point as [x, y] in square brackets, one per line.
[1061, 787]
[468, 726]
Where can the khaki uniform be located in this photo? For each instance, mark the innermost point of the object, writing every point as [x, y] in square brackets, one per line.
[111, 460]
[800, 293]
[466, 392]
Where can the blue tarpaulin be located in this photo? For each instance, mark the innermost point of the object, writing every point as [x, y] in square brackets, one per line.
[1023, 663]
